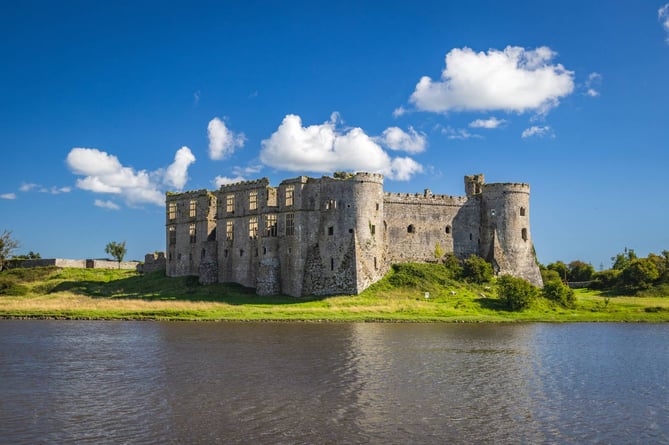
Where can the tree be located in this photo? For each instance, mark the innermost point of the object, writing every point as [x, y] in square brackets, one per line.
[477, 270]
[7, 246]
[639, 274]
[559, 267]
[580, 271]
[454, 266]
[622, 260]
[117, 250]
[516, 293]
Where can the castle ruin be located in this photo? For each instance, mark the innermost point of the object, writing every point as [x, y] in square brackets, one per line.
[338, 235]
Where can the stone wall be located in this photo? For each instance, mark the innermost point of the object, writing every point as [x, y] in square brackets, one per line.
[78, 264]
[338, 235]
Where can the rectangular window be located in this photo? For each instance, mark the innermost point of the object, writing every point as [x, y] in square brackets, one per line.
[290, 195]
[172, 231]
[253, 227]
[253, 200]
[191, 233]
[270, 225]
[192, 208]
[290, 224]
[172, 210]
[331, 230]
[372, 229]
[229, 230]
[230, 203]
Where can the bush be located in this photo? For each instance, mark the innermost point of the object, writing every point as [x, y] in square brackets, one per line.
[548, 275]
[9, 286]
[639, 274]
[477, 270]
[556, 291]
[516, 293]
[453, 265]
[606, 279]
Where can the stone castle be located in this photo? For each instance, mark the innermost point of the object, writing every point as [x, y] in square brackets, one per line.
[338, 235]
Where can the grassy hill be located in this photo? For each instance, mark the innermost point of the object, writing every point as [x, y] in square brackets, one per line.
[400, 296]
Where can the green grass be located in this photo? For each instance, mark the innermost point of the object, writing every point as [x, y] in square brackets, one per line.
[400, 296]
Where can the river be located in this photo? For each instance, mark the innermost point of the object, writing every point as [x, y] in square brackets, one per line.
[300, 383]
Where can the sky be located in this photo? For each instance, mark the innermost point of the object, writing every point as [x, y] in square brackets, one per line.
[107, 105]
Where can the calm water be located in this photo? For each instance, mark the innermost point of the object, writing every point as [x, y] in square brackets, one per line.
[149, 382]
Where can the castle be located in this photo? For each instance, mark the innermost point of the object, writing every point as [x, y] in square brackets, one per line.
[338, 235]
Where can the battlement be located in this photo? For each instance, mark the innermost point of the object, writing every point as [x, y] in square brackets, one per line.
[426, 198]
[245, 185]
[507, 187]
[190, 194]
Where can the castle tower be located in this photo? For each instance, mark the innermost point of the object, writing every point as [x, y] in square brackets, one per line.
[505, 231]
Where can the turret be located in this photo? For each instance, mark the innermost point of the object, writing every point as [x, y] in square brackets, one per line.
[505, 231]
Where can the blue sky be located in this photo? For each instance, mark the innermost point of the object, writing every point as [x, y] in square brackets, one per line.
[107, 105]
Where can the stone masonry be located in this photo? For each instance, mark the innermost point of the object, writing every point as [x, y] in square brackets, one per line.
[338, 235]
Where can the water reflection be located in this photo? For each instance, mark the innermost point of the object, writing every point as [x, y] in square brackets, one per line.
[145, 382]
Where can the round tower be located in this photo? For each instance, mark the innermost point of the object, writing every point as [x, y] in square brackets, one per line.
[506, 240]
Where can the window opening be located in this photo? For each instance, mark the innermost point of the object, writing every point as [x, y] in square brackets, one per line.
[203, 253]
[448, 230]
[172, 231]
[229, 230]
[191, 233]
[253, 227]
[523, 234]
[192, 208]
[411, 229]
[172, 210]
[331, 263]
[270, 225]
[522, 211]
[230, 203]
[372, 229]
[290, 195]
[470, 237]
[253, 200]
[331, 230]
[290, 224]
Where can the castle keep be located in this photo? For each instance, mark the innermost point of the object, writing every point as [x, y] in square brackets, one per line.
[338, 235]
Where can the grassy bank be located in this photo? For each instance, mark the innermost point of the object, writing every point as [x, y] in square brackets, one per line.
[117, 294]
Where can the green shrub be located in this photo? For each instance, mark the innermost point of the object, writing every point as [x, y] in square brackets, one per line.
[453, 265]
[604, 280]
[556, 291]
[516, 293]
[548, 275]
[477, 270]
[10, 286]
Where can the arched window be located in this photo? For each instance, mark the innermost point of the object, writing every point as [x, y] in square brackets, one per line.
[522, 211]
[448, 230]
[411, 229]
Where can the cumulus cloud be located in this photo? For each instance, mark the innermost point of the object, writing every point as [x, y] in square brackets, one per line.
[222, 141]
[56, 190]
[396, 139]
[489, 123]
[8, 196]
[399, 111]
[324, 148]
[537, 131]
[104, 173]
[176, 174]
[224, 180]
[106, 204]
[514, 79]
[663, 16]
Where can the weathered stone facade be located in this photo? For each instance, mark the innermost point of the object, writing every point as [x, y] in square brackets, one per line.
[338, 235]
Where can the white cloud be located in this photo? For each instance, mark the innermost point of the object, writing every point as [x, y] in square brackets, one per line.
[489, 123]
[459, 133]
[396, 139]
[663, 16]
[537, 131]
[26, 187]
[8, 196]
[56, 190]
[222, 142]
[399, 111]
[515, 79]
[106, 204]
[103, 173]
[323, 148]
[592, 84]
[176, 174]
[224, 180]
